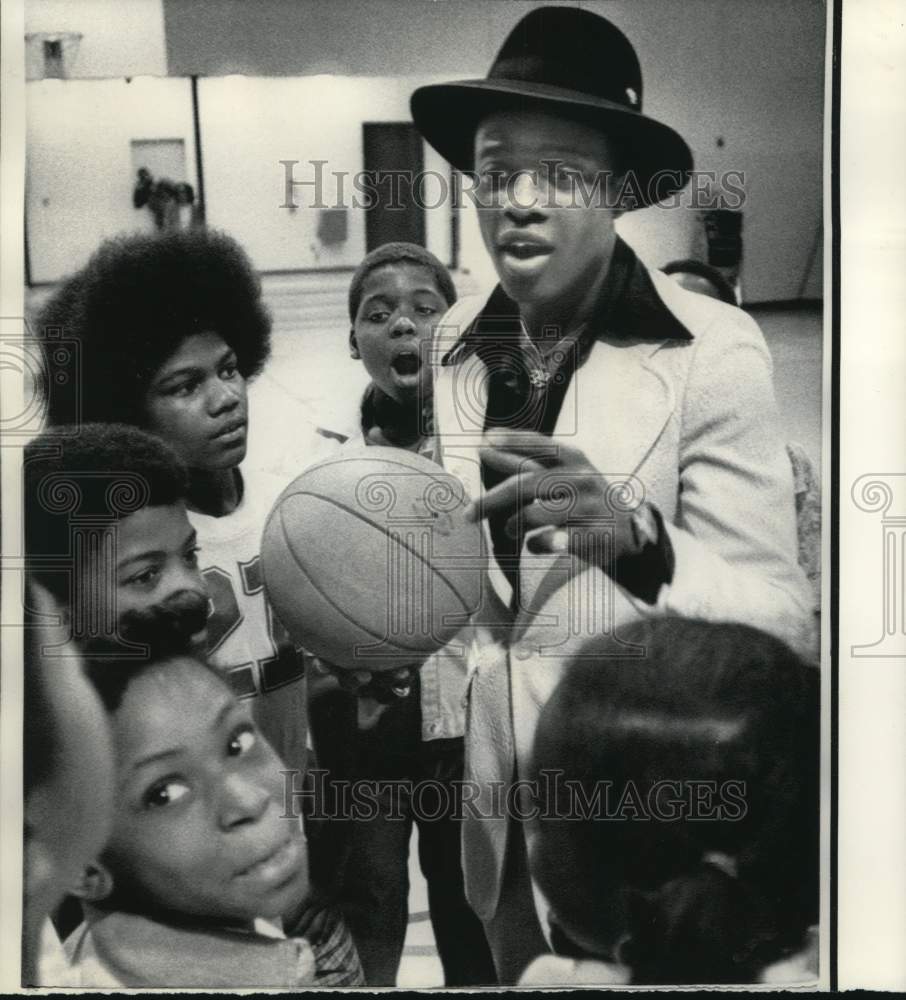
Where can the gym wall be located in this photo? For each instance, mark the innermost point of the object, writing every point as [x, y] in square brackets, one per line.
[287, 80]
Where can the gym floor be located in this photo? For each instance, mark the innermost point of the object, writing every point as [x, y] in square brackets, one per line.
[420, 967]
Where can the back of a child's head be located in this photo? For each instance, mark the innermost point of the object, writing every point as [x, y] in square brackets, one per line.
[400, 253]
[702, 278]
[94, 474]
[699, 863]
[131, 307]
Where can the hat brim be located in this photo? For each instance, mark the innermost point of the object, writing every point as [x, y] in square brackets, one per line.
[448, 116]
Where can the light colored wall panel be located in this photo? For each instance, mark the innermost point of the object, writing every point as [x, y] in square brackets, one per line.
[251, 124]
[79, 176]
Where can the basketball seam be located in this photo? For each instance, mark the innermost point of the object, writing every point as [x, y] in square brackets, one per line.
[376, 453]
[355, 513]
[333, 604]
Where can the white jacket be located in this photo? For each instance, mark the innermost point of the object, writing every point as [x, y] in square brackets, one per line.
[689, 425]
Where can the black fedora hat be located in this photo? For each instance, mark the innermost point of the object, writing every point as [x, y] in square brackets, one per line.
[575, 64]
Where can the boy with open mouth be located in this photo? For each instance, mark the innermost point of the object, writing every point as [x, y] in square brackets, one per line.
[405, 725]
[396, 297]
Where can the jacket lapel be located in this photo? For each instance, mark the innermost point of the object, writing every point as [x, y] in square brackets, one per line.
[615, 409]
[460, 401]
[616, 406]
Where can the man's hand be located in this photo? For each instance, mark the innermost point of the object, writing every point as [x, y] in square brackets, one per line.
[376, 436]
[555, 487]
[375, 692]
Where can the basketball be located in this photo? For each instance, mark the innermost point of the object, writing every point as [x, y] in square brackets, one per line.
[368, 561]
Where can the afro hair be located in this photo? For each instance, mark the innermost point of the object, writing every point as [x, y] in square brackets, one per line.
[131, 307]
[101, 472]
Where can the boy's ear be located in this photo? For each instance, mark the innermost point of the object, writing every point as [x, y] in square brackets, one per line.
[95, 883]
[353, 346]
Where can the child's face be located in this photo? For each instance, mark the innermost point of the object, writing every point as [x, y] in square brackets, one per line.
[546, 239]
[198, 822]
[400, 305]
[197, 403]
[161, 598]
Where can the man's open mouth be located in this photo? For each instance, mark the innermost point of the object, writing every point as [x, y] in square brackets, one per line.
[524, 247]
[526, 251]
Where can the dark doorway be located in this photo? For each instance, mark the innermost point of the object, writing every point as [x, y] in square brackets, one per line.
[393, 158]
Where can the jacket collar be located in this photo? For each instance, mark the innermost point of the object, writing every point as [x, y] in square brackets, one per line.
[617, 425]
[628, 309]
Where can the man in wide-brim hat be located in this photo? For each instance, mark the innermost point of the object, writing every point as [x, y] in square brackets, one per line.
[618, 434]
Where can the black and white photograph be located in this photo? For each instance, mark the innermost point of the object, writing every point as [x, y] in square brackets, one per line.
[420, 499]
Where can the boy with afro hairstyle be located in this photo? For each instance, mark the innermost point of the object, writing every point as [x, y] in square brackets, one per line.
[107, 534]
[135, 302]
